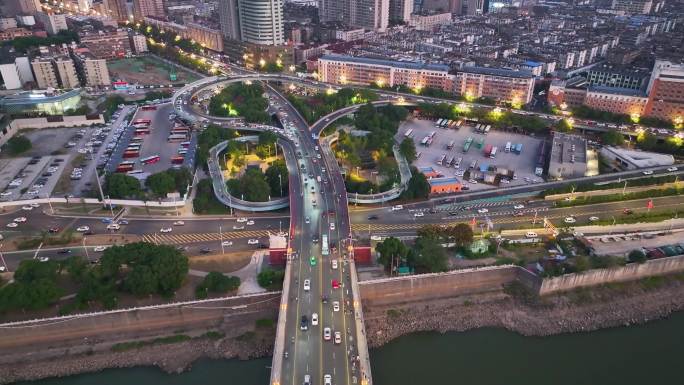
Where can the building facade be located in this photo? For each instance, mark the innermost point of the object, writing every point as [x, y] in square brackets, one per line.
[145, 8]
[338, 69]
[666, 92]
[53, 22]
[261, 22]
[45, 74]
[617, 101]
[10, 76]
[515, 87]
[107, 44]
[92, 71]
[429, 22]
[400, 10]
[369, 14]
[207, 37]
[66, 72]
[615, 76]
[632, 6]
[138, 43]
[117, 9]
[229, 19]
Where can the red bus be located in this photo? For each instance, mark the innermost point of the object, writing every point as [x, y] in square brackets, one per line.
[125, 166]
[185, 144]
[177, 160]
[142, 131]
[180, 130]
[149, 108]
[131, 154]
[173, 138]
[150, 159]
[142, 121]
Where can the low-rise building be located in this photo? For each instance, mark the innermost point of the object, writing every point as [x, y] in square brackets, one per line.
[108, 43]
[444, 185]
[7, 23]
[428, 22]
[205, 36]
[515, 87]
[13, 33]
[616, 100]
[42, 102]
[621, 159]
[568, 156]
[139, 43]
[10, 75]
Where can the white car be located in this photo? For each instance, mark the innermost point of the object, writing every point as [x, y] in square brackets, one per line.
[113, 226]
[27, 208]
[397, 207]
[332, 226]
[336, 306]
[307, 285]
[472, 181]
[6, 193]
[252, 241]
[673, 168]
[250, 223]
[647, 172]
[314, 319]
[569, 220]
[483, 211]
[82, 229]
[327, 379]
[178, 223]
[338, 338]
[99, 249]
[166, 230]
[12, 224]
[593, 219]
[227, 243]
[238, 227]
[327, 334]
[240, 220]
[307, 220]
[418, 214]
[518, 207]
[20, 219]
[333, 264]
[44, 259]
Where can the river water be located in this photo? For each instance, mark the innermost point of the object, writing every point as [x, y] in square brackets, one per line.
[648, 354]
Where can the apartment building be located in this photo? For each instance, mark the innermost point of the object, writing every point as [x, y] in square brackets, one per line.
[208, 37]
[92, 71]
[428, 22]
[145, 8]
[66, 72]
[666, 92]
[510, 86]
[369, 14]
[44, 72]
[616, 100]
[108, 43]
[53, 22]
[139, 43]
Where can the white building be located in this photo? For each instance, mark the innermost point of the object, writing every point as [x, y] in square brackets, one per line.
[369, 14]
[24, 69]
[10, 76]
[53, 22]
[261, 21]
[623, 159]
[139, 43]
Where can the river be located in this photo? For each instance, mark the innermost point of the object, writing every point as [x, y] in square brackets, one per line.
[646, 354]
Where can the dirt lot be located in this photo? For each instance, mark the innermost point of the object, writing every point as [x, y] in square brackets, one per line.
[224, 263]
[146, 70]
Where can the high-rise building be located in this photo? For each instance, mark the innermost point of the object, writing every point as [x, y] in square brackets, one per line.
[53, 22]
[143, 8]
[66, 72]
[369, 14]
[229, 19]
[400, 10]
[139, 43]
[92, 72]
[46, 77]
[633, 6]
[666, 92]
[24, 68]
[21, 7]
[10, 76]
[261, 21]
[117, 9]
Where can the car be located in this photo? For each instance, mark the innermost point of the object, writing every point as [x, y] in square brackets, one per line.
[518, 214]
[44, 259]
[307, 284]
[250, 223]
[123, 222]
[332, 225]
[569, 220]
[647, 172]
[627, 211]
[205, 250]
[307, 220]
[113, 226]
[238, 227]
[531, 234]
[338, 338]
[178, 223]
[304, 325]
[106, 220]
[336, 306]
[372, 217]
[327, 334]
[240, 220]
[335, 284]
[99, 249]
[673, 168]
[227, 243]
[253, 241]
[519, 207]
[20, 219]
[418, 214]
[593, 219]
[472, 181]
[166, 230]
[307, 379]
[397, 207]
[327, 379]
[312, 261]
[64, 251]
[26, 208]
[483, 211]
[333, 264]
[12, 224]
[82, 229]
[6, 193]
[314, 319]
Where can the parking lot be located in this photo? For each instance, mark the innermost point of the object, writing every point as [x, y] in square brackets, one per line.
[523, 165]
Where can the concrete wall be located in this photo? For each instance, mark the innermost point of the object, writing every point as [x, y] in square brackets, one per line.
[228, 314]
[433, 286]
[630, 272]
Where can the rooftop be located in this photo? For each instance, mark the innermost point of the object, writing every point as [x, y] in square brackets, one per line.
[497, 72]
[443, 181]
[388, 63]
[640, 159]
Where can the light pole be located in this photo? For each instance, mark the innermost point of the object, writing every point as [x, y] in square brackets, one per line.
[85, 248]
[2, 258]
[223, 251]
[280, 179]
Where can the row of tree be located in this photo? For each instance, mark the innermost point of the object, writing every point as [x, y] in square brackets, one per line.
[122, 186]
[240, 99]
[315, 107]
[257, 186]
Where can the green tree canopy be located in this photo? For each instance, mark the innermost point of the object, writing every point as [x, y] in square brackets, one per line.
[428, 256]
[161, 183]
[18, 144]
[122, 186]
[276, 174]
[267, 138]
[271, 279]
[418, 186]
[216, 282]
[392, 252]
[240, 99]
[612, 138]
[407, 148]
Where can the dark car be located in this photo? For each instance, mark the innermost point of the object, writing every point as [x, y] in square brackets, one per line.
[53, 229]
[89, 232]
[64, 251]
[262, 246]
[305, 323]
[205, 250]
[372, 217]
[315, 239]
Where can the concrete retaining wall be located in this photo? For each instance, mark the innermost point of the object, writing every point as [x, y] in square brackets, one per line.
[633, 271]
[228, 314]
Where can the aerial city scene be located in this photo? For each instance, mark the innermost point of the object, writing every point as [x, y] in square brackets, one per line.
[341, 192]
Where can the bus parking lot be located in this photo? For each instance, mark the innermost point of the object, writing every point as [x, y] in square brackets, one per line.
[449, 143]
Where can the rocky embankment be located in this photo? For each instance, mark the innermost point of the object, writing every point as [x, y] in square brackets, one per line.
[580, 311]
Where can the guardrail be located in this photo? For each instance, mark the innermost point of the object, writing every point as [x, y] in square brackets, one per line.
[119, 202]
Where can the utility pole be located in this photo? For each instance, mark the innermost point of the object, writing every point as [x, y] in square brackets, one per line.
[223, 251]
[624, 188]
[85, 248]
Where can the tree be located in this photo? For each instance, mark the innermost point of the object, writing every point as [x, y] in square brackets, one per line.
[77, 267]
[637, 256]
[267, 138]
[407, 148]
[563, 125]
[612, 138]
[121, 186]
[161, 183]
[460, 234]
[31, 270]
[428, 256]
[18, 144]
[271, 279]
[140, 281]
[276, 175]
[34, 286]
[434, 232]
[418, 186]
[392, 252]
[253, 186]
[216, 282]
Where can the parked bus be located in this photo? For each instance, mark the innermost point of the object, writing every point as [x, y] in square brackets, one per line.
[466, 145]
[130, 154]
[486, 129]
[450, 145]
[177, 138]
[177, 159]
[142, 121]
[441, 159]
[518, 148]
[478, 128]
[137, 139]
[493, 153]
[438, 123]
[454, 124]
[450, 161]
[142, 131]
[432, 134]
[125, 166]
[488, 150]
[429, 141]
[148, 108]
[479, 142]
[473, 164]
[508, 147]
[424, 141]
[133, 172]
[324, 244]
[150, 159]
[457, 162]
[408, 133]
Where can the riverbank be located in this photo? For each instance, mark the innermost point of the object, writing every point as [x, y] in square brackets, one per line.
[512, 308]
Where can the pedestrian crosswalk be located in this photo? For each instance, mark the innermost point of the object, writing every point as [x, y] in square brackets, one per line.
[464, 206]
[177, 239]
